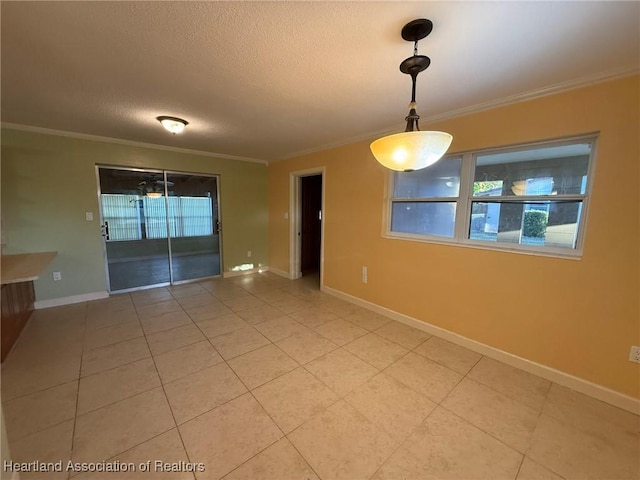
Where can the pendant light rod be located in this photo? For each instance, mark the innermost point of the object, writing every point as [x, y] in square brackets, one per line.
[414, 74]
[415, 31]
[413, 117]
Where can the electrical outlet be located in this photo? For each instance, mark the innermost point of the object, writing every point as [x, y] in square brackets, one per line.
[634, 354]
[57, 276]
[365, 275]
[249, 253]
[88, 216]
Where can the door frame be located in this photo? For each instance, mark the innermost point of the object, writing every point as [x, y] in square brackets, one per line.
[295, 221]
[164, 173]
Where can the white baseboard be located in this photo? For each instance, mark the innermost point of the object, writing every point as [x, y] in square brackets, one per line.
[280, 273]
[57, 302]
[594, 390]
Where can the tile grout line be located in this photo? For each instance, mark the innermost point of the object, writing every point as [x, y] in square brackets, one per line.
[248, 390]
[378, 371]
[338, 398]
[406, 438]
[40, 391]
[166, 398]
[79, 377]
[468, 421]
[119, 366]
[75, 417]
[490, 387]
[208, 340]
[344, 397]
[143, 335]
[437, 404]
[478, 427]
[483, 431]
[284, 435]
[540, 413]
[134, 395]
[520, 467]
[120, 400]
[312, 305]
[151, 355]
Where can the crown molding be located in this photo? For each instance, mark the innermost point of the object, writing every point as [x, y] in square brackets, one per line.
[476, 108]
[534, 94]
[481, 107]
[132, 143]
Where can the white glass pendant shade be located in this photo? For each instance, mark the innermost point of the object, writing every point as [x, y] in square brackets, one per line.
[411, 150]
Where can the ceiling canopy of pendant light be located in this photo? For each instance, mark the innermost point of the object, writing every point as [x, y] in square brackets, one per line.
[413, 149]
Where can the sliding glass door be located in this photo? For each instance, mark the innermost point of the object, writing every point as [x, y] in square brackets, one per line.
[159, 227]
[193, 226]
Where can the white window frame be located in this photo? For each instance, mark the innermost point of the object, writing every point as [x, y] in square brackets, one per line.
[465, 199]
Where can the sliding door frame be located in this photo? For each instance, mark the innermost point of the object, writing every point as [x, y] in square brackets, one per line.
[164, 173]
[219, 220]
[102, 233]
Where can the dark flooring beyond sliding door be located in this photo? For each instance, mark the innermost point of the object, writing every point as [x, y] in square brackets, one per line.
[193, 226]
[158, 227]
[136, 273]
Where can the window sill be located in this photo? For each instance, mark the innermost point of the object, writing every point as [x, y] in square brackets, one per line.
[451, 242]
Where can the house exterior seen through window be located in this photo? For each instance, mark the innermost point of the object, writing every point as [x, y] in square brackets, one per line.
[531, 198]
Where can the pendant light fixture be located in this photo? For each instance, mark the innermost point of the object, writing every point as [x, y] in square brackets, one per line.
[414, 149]
[172, 124]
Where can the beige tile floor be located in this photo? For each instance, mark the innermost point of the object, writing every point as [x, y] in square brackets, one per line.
[259, 377]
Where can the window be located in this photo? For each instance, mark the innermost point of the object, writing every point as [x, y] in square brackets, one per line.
[188, 217]
[425, 200]
[122, 214]
[137, 217]
[529, 198]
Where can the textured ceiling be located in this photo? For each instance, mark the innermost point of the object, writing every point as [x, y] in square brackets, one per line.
[269, 80]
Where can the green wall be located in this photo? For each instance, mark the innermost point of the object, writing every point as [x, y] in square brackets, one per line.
[49, 182]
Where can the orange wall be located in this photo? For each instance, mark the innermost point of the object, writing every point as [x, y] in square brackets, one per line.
[577, 316]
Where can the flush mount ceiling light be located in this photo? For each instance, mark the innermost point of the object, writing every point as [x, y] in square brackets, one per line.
[173, 124]
[413, 149]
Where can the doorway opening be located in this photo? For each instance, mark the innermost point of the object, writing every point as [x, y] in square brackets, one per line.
[159, 227]
[306, 210]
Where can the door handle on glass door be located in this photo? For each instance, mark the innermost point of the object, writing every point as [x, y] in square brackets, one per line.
[105, 230]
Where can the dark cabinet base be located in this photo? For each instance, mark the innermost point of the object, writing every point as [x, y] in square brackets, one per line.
[17, 305]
